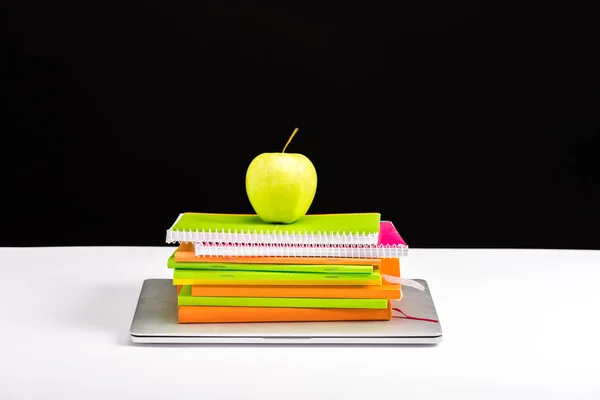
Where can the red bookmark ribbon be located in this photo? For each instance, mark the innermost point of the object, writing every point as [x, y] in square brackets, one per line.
[404, 316]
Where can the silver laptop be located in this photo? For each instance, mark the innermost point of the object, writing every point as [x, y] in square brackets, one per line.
[155, 321]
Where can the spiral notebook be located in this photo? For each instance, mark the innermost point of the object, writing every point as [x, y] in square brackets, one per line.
[185, 253]
[313, 229]
[389, 245]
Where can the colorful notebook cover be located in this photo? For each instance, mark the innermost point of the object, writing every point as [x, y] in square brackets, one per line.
[185, 298]
[312, 229]
[248, 278]
[198, 314]
[390, 292]
[388, 266]
[389, 235]
[390, 245]
[319, 268]
[185, 253]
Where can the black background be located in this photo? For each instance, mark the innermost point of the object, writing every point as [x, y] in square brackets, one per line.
[468, 124]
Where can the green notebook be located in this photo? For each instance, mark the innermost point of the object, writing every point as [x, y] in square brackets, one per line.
[316, 229]
[316, 268]
[185, 298]
[261, 278]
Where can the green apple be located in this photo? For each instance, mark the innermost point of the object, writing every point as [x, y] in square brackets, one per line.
[281, 186]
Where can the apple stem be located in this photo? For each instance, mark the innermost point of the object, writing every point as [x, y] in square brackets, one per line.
[289, 140]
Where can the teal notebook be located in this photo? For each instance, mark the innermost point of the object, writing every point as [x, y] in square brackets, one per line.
[185, 298]
[203, 277]
[312, 229]
[317, 268]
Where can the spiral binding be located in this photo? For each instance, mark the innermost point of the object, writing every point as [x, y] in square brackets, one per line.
[283, 238]
[252, 250]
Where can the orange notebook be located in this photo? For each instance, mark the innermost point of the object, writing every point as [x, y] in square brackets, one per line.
[185, 253]
[197, 314]
[390, 266]
[391, 292]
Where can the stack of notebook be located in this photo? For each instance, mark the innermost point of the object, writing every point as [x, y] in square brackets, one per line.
[330, 267]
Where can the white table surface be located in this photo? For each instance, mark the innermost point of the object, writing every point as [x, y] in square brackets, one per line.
[516, 323]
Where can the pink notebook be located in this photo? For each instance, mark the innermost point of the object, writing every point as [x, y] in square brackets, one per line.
[388, 235]
[390, 245]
